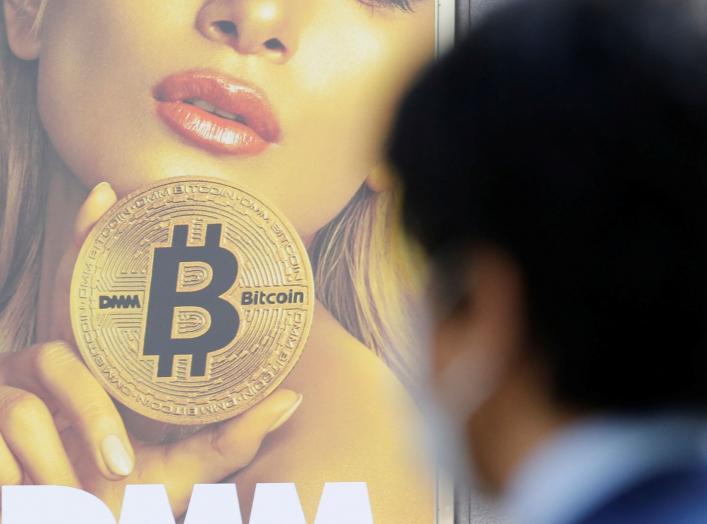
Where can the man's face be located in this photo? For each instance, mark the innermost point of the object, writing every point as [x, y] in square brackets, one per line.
[477, 330]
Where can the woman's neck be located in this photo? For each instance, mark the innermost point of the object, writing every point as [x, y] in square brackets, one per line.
[66, 194]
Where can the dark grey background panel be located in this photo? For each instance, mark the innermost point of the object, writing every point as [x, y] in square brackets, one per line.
[463, 16]
[469, 508]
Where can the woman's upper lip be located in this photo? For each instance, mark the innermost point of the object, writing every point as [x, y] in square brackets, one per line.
[226, 94]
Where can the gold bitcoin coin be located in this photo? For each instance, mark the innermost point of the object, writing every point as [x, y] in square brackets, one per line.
[191, 300]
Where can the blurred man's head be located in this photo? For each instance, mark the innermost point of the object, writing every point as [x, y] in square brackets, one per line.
[555, 171]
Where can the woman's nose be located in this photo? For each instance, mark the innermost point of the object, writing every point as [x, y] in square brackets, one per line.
[252, 27]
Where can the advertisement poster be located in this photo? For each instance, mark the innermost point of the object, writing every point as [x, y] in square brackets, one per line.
[206, 304]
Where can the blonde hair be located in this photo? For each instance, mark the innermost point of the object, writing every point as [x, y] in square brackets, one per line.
[360, 264]
[366, 277]
[22, 197]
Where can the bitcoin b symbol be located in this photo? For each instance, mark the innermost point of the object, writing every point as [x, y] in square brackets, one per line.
[191, 300]
[165, 297]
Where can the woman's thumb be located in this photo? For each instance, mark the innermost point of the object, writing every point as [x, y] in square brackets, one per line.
[99, 200]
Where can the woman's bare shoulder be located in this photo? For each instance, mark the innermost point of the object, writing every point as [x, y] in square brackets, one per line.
[350, 395]
[333, 357]
[356, 423]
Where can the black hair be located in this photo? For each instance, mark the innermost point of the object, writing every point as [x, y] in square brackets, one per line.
[573, 136]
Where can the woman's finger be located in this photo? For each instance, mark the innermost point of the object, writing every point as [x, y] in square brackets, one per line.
[87, 405]
[10, 470]
[214, 453]
[28, 430]
[98, 201]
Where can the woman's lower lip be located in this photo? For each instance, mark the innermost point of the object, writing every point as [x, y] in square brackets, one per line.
[211, 132]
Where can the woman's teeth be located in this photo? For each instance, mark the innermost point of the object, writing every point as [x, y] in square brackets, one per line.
[216, 111]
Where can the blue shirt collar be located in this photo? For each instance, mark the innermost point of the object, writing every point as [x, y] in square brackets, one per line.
[583, 466]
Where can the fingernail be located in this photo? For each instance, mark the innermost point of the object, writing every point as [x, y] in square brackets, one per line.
[286, 414]
[100, 186]
[116, 456]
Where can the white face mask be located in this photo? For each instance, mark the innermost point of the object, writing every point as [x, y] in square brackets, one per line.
[449, 402]
[463, 386]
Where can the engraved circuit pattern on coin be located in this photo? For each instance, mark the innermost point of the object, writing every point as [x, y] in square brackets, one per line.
[191, 300]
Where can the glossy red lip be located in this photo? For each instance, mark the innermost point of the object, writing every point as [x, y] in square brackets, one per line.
[229, 117]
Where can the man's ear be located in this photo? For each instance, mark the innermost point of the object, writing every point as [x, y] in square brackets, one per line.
[22, 19]
[487, 319]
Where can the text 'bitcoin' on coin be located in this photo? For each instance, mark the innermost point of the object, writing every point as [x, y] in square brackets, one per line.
[191, 300]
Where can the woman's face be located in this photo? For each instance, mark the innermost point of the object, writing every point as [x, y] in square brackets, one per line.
[128, 91]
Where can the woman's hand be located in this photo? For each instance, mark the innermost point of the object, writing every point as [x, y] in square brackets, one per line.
[59, 426]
